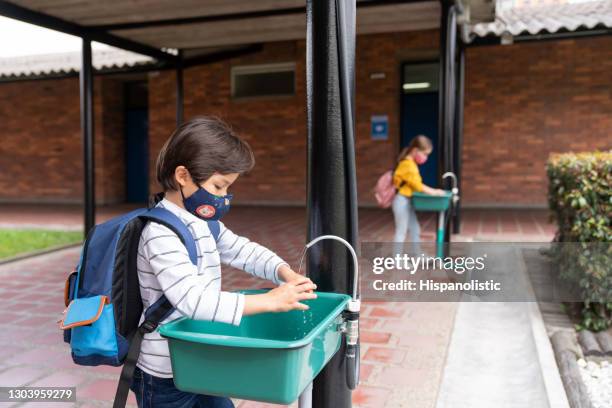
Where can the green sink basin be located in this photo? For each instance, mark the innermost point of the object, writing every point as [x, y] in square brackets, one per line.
[426, 202]
[269, 357]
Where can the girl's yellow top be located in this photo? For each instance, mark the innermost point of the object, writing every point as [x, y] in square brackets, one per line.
[408, 172]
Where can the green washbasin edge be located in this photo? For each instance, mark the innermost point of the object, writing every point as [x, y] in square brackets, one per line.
[168, 330]
[447, 194]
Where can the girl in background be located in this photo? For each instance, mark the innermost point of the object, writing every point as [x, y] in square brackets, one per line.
[407, 179]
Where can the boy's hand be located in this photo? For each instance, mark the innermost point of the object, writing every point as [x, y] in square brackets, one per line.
[288, 275]
[284, 297]
[288, 296]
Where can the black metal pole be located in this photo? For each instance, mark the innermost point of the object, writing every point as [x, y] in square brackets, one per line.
[87, 128]
[332, 201]
[444, 10]
[449, 108]
[346, 25]
[179, 89]
[451, 48]
[443, 99]
[459, 130]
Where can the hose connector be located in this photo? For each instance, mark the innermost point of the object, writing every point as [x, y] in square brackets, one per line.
[455, 189]
[352, 352]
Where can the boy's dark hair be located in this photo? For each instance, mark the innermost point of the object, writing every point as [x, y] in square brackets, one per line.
[204, 145]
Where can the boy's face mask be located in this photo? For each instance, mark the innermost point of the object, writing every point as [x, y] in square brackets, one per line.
[207, 206]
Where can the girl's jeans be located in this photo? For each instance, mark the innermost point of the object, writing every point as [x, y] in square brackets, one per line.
[405, 221]
[158, 392]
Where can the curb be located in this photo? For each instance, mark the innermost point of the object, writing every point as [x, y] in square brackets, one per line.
[555, 390]
[34, 254]
[567, 353]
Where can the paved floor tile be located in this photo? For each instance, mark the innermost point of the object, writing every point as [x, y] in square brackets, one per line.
[368, 396]
[20, 376]
[103, 390]
[386, 355]
[403, 344]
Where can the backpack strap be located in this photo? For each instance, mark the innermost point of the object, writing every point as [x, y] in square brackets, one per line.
[159, 310]
[393, 174]
[168, 219]
[214, 228]
[151, 322]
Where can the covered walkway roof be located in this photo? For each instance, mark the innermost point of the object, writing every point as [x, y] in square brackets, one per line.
[204, 26]
[208, 30]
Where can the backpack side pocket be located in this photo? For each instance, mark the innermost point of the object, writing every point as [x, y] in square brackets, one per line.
[93, 339]
[68, 296]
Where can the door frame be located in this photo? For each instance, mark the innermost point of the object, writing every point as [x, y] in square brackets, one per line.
[402, 64]
[408, 61]
[125, 95]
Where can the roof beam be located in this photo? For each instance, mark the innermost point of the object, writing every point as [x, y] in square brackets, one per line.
[236, 16]
[222, 55]
[15, 12]
[201, 19]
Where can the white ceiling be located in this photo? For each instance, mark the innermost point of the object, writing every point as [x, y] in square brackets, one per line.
[372, 19]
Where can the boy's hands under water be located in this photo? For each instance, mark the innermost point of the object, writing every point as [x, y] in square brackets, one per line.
[282, 298]
[288, 295]
[286, 274]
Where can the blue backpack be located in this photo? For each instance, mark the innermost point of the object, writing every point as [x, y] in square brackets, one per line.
[102, 296]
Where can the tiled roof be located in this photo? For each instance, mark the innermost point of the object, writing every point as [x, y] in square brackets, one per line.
[538, 16]
[69, 62]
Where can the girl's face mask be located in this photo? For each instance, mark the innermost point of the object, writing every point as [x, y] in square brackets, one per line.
[420, 157]
[207, 206]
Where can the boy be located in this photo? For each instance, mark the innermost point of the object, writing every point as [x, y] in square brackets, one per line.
[195, 167]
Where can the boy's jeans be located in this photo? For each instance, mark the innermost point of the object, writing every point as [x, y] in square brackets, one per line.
[157, 392]
[405, 221]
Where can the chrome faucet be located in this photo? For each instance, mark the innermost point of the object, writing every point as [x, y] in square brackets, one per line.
[455, 189]
[354, 304]
[351, 316]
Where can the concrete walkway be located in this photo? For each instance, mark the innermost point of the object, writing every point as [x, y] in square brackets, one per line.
[500, 354]
[492, 360]
[404, 345]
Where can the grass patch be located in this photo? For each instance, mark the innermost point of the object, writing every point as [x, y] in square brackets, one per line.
[18, 241]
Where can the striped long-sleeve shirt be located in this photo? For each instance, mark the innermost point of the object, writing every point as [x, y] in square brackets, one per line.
[195, 291]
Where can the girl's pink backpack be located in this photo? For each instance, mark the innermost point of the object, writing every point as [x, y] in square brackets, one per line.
[385, 190]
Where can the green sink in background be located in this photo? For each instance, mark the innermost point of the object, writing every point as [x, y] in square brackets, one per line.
[426, 202]
[269, 357]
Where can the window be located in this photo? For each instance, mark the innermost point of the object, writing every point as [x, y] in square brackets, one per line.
[263, 80]
[421, 77]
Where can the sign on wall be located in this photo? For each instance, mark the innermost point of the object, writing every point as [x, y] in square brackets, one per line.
[379, 127]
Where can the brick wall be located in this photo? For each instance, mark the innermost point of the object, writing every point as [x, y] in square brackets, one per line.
[276, 127]
[523, 102]
[40, 153]
[375, 54]
[110, 142]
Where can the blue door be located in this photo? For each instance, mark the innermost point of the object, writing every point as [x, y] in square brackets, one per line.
[420, 117]
[137, 155]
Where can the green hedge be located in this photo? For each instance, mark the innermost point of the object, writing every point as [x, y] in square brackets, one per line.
[580, 196]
